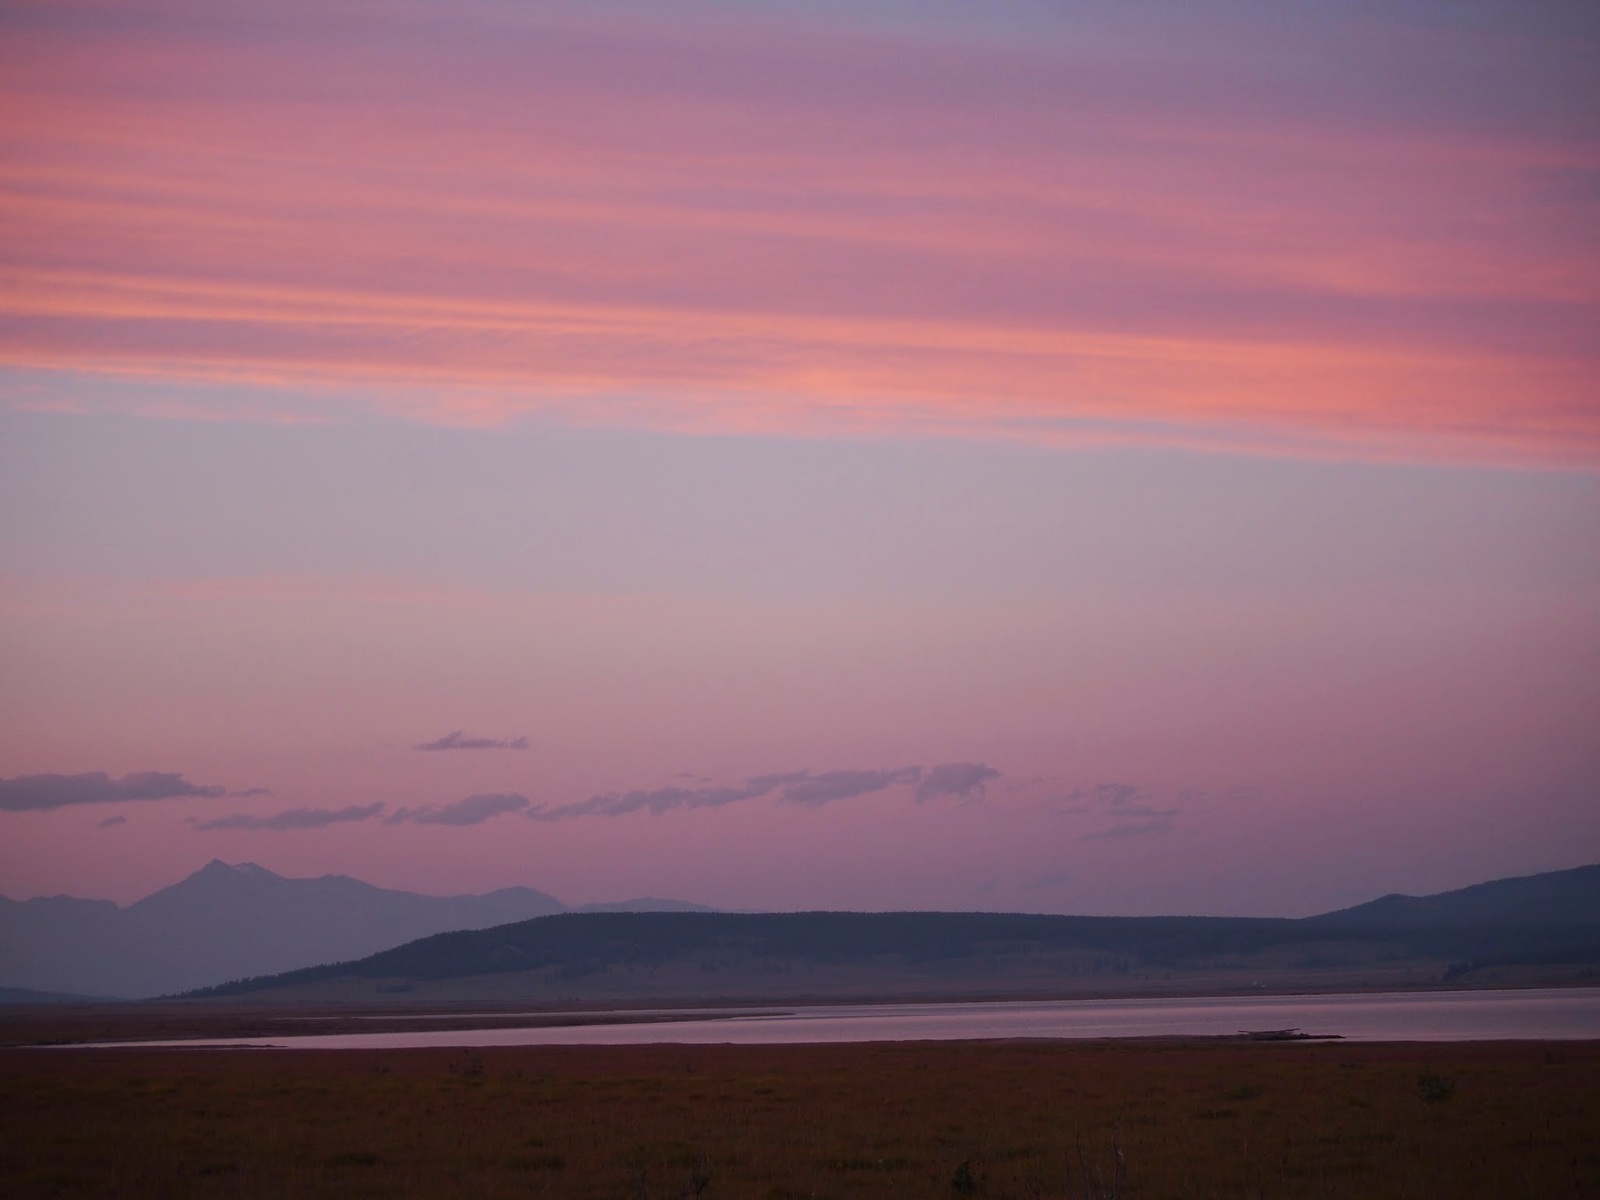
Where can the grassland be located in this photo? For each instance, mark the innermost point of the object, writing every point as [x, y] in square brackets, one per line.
[927, 1120]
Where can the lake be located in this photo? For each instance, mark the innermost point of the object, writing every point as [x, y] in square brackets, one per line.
[1534, 1014]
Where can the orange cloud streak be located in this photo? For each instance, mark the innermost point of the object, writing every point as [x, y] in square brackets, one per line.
[692, 229]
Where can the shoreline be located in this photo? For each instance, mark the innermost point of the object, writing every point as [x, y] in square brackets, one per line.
[165, 1023]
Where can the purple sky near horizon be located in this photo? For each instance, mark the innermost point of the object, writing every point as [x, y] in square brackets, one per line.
[1089, 458]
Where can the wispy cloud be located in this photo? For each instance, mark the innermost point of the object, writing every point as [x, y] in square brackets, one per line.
[817, 790]
[654, 801]
[963, 779]
[1153, 822]
[292, 819]
[112, 822]
[1092, 234]
[37, 793]
[1129, 811]
[473, 810]
[1044, 882]
[459, 740]
[808, 789]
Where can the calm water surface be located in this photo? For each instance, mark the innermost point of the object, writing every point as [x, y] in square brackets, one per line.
[1551, 1014]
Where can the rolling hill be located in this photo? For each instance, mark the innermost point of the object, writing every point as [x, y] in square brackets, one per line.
[1554, 899]
[1548, 923]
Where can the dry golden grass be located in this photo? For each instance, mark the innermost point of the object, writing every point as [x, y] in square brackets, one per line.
[927, 1120]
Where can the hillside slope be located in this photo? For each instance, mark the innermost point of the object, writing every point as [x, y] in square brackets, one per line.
[621, 954]
[1554, 898]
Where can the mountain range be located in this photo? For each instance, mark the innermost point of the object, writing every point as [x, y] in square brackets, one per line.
[1541, 928]
[241, 930]
[226, 922]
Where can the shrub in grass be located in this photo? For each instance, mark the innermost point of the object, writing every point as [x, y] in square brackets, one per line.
[963, 1182]
[1433, 1087]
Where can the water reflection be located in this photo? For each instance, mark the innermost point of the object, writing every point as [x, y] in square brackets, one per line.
[1547, 1014]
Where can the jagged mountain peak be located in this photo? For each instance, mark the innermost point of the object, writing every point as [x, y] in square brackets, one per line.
[217, 869]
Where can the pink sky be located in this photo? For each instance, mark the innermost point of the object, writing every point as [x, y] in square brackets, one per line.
[759, 223]
[1198, 403]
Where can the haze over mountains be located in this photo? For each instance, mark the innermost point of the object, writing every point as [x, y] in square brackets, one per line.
[230, 923]
[1543, 928]
[227, 922]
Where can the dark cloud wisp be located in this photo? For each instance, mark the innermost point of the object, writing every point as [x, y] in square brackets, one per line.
[459, 740]
[1050, 880]
[654, 801]
[1130, 811]
[39, 793]
[813, 791]
[472, 810]
[809, 789]
[293, 818]
[963, 780]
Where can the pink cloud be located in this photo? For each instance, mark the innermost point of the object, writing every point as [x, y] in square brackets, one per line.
[747, 226]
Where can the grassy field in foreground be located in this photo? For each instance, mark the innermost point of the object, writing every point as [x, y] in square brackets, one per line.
[1194, 1119]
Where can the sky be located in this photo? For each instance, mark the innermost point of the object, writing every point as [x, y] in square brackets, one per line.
[1032, 456]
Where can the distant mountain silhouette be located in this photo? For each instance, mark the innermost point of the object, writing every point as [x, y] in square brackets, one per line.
[614, 954]
[1553, 898]
[645, 904]
[28, 996]
[575, 944]
[224, 922]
